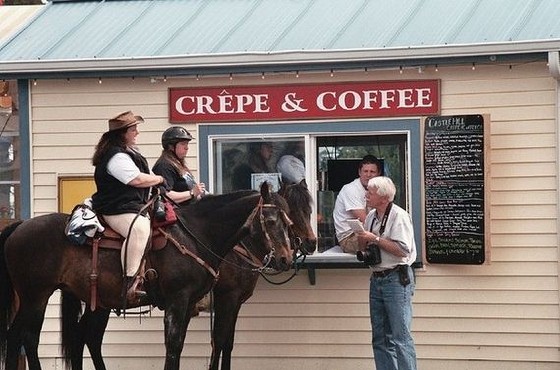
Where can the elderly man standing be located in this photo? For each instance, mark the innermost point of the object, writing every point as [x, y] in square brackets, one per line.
[392, 281]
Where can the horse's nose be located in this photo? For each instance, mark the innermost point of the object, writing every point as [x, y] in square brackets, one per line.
[308, 246]
[281, 264]
[284, 265]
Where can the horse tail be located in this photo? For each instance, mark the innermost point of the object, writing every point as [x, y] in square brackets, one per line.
[70, 312]
[7, 294]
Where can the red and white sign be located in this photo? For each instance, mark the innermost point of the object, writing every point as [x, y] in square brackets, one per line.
[289, 102]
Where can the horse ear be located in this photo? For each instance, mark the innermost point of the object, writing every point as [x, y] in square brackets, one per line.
[303, 183]
[265, 190]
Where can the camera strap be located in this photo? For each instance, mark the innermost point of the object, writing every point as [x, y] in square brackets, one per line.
[384, 220]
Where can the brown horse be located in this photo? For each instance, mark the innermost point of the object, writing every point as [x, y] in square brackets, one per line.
[38, 259]
[238, 280]
[238, 277]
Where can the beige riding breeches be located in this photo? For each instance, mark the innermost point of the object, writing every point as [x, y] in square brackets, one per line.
[137, 240]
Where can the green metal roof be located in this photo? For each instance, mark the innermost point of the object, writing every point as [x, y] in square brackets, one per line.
[120, 35]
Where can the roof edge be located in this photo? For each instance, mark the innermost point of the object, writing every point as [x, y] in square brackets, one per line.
[413, 55]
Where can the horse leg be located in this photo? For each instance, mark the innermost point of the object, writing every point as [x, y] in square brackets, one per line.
[176, 321]
[26, 330]
[226, 313]
[92, 327]
[14, 343]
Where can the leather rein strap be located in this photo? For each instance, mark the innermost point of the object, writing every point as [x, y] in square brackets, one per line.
[93, 275]
[184, 250]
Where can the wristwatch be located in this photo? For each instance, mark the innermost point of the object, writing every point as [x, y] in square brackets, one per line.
[191, 193]
[376, 240]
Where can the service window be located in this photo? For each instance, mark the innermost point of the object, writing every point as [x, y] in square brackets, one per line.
[338, 158]
[239, 155]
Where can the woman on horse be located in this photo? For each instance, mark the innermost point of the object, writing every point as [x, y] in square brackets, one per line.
[123, 181]
[171, 165]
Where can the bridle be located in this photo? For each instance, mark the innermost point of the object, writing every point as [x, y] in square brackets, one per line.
[267, 259]
[258, 210]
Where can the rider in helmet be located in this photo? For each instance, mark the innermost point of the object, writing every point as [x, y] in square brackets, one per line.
[171, 165]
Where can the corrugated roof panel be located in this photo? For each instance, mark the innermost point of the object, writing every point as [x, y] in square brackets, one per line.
[397, 23]
[319, 25]
[13, 17]
[152, 38]
[102, 26]
[495, 20]
[421, 25]
[371, 26]
[269, 22]
[543, 23]
[203, 32]
[47, 30]
[94, 29]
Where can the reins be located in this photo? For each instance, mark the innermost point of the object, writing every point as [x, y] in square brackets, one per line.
[256, 267]
[185, 250]
[265, 273]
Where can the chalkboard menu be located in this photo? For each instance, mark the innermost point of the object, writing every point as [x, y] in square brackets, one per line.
[454, 189]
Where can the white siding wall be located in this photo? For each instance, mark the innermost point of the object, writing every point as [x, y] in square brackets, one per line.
[502, 315]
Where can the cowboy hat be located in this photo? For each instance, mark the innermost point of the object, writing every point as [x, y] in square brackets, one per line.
[124, 120]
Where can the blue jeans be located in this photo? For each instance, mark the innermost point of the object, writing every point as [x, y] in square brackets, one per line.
[390, 306]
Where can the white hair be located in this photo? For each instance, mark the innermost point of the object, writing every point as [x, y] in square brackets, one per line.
[384, 185]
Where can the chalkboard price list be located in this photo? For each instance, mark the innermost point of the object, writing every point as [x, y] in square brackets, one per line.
[454, 189]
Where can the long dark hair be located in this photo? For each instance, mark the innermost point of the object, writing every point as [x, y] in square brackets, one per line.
[256, 161]
[108, 140]
[169, 155]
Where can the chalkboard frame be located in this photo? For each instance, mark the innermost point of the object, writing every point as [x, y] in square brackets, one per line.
[452, 245]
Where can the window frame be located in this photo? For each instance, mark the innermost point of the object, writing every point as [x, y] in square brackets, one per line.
[210, 133]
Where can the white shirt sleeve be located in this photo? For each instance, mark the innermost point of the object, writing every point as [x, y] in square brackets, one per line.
[122, 167]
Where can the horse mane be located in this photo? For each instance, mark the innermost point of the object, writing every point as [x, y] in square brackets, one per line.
[297, 195]
[210, 204]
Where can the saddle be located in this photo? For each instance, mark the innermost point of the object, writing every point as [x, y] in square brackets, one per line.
[110, 239]
[162, 215]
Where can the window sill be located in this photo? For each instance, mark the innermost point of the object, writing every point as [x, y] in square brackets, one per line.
[333, 258]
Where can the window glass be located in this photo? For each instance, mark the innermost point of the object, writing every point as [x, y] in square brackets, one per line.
[245, 163]
[332, 151]
[338, 158]
[9, 153]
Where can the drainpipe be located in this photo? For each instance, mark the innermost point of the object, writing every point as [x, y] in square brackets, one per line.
[554, 69]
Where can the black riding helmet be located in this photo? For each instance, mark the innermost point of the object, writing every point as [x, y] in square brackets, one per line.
[173, 135]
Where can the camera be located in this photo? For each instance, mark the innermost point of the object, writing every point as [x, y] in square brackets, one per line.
[371, 256]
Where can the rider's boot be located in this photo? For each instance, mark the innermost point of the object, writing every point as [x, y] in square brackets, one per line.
[134, 293]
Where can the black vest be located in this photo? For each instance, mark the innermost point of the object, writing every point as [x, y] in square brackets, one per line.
[112, 196]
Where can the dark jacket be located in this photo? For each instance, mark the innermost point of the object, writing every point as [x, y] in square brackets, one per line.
[112, 196]
[171, 174]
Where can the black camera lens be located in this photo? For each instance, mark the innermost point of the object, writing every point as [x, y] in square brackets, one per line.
[361, 255]
[370, 256]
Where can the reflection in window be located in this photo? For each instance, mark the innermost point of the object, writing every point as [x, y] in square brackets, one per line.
[238, 160]
[9, 153]
[243, 163]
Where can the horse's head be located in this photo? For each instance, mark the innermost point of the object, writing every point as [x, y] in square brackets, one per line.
[299, 200]
[270, 223]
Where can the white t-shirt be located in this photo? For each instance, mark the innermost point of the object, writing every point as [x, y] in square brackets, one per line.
[352, 196]
[122, 168]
